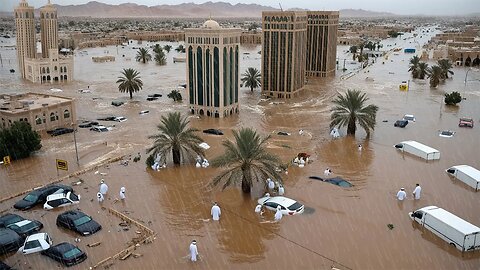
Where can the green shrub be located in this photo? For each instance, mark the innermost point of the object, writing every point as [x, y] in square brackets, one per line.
[453, 98]
[19, 141]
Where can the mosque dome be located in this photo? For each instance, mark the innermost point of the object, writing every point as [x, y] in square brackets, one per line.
[211, 24]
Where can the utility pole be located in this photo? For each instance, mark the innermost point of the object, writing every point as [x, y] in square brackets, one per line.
[75, 140]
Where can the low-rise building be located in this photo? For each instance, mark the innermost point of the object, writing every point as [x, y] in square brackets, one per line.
[55, 68]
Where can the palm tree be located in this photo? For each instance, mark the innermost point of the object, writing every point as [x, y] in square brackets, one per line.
[422, 70]
[143, 55]
[175, 95]
[180, 48]
[177, 138]
[167, 48]
[246, 160]
[157, 48]
[130, 81]
[446, 66]
[251, 78]
[350, 109]
[414, 66]
[435, 73]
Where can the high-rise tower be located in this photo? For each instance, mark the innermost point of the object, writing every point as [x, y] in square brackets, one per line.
[48, 28]
[25, 25]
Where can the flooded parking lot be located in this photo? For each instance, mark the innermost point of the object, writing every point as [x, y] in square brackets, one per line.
[345, 228]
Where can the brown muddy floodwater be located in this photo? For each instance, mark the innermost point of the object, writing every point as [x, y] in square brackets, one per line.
[342, 227]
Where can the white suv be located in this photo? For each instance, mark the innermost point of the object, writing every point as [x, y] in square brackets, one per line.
[60, 200]
[35, 243]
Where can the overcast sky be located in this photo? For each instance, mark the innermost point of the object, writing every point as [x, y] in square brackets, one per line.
[402, 7]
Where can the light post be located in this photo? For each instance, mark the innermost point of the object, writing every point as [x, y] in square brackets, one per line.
[75, 140]
[466, 74]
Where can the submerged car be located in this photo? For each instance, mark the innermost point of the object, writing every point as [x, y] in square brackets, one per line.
[400, 123]
[287, 205]
[66, 254]
[9, 241]
[59, 131]
[335, 181]
[36, 243]
[99, 129]
[409, 118]
[8, 219]
[213, 131]
[39, 196]
[60, 200]
[88, 124]
[283, 133]
[466, 122]
[446, 133]
[79, 222]
[26, 227]
[144, 112]
[120, 119]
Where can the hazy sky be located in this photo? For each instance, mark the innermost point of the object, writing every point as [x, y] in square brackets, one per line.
[403, 7]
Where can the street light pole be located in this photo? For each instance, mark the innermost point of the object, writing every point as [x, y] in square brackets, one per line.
[75, 140]
[466, 74]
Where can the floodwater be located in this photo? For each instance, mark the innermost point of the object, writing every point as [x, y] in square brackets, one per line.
[343, 227]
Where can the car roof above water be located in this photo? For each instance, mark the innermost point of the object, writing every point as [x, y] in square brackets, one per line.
[281, 200]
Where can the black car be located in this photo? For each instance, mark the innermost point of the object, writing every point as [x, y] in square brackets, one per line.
[108, 118]
[88, 124]
[213, 131]
[39, 196]
[401, 123]
[4, 266]
[60, 131]
[9, 241]
[79, 222]
[26, 227]
[8, 219]
[155, 95]
[66, 254]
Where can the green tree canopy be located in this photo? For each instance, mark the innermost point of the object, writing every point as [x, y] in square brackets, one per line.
[19, 141]
[130, 81]
[251, 78]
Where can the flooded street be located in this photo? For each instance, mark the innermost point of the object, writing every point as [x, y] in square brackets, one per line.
[342, 227]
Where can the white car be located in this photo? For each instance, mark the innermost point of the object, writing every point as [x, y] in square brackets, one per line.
[288, 206]
[60, 200]
[446, 133]
[100, 129]
[144, 112]
[120, 119]
[35, 243]
[409, 117]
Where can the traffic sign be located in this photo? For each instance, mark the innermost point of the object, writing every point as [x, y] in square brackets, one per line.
[6, 160]
[62, 164]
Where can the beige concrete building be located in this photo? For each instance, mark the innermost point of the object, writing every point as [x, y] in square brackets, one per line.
[251, 38]
[55, 68]
[322, 28]
[43, 112]
[283, 53]
[213, 69]
[48, 29]
[25, 26]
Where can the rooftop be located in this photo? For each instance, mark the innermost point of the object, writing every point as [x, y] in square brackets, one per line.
[14, 103]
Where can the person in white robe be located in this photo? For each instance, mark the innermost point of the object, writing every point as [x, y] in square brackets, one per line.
[417, 191]
[401, 194]
[103, 188]
[281, 190]
[216, 212]
[122, 193]
[278, 214]
[193, 251]
[258, 209]
[270, 183]
[100, 197]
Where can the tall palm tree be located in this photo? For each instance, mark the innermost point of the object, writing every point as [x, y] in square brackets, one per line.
[414, 61]
[422, 70]
[143, 55]
[350, 109]
[176, 137]
[446, 66]
[435, 73]
[246, 160]
[130, 81]
[251, 78]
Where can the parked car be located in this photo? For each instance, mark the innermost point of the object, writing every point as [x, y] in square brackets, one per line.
[60, 200]
[213, 131]
[151, 98]
[100, 129]
[117, 103]
[155, 95]
[288, 206]
[4, 266]
[35, 243]
[79, 222]
[401, 123]
[120, 119]
[66, 254]
[88, 124]
[8, 219]
[59, 131]
[283, 133]
[26, 227]
[108, 118]
[39, 196]
[9, 241]
[446, 133]
[409, 118]
[466, 122]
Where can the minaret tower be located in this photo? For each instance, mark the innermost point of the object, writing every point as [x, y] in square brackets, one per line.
[48, 28]
[25, 26]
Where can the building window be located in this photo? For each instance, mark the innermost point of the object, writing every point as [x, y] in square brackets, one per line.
[216, 78]
[38, 120]
[66, 114]
[199, 76]
[52, 117]
[190, 75]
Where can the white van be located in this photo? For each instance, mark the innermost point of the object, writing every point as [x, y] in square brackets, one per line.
[467, 174]
[452, 229]
[418, 149]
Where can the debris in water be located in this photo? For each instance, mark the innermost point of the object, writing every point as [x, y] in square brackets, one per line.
[390, 226]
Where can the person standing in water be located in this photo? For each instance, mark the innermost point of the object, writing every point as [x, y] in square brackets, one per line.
[193, 251]
[103, 188]
[122, 193]
[417, 191]
[215, 212]
[278, 214]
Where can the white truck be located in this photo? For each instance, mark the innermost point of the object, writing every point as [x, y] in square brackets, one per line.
[418, 149]
[467, 174]
[452, 229]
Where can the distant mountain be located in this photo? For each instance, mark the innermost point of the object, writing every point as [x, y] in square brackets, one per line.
[360, 13]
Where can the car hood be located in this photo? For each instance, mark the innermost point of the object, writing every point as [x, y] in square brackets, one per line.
[91, 227]
[23, 205]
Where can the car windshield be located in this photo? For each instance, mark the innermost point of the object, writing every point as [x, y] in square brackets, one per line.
[82, 220]
[74, 197]
[295, 206]
[32, 244]
[72, 253]
[31, 198]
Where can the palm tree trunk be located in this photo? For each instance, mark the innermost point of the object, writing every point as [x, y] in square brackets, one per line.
[246, 180]
[131, 94]
[176, 156]
[251, 88]
[351, 127]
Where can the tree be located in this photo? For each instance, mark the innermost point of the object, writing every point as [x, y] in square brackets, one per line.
[143, 55]
[175, 95]
[353, 49]
[157, 48]
[174, 136]
[414, 61]
[130, 81]
[453, 98]
[422, 70]
[19, 141]
[251, 78]
[435, 74]
[71, 23]
[167, 48]
[350, 109]
[180, 48]
[446, 67]
[246, 160]
[160, 58]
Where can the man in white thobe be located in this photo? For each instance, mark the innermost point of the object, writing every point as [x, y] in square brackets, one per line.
[100, 197]
[193, 251]
[122, 193]
[258, 209]
[278, 214]
[270, 183]
[401, 194]
[417, 191]
[215, 212]
[103, 188]
[281, 190]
